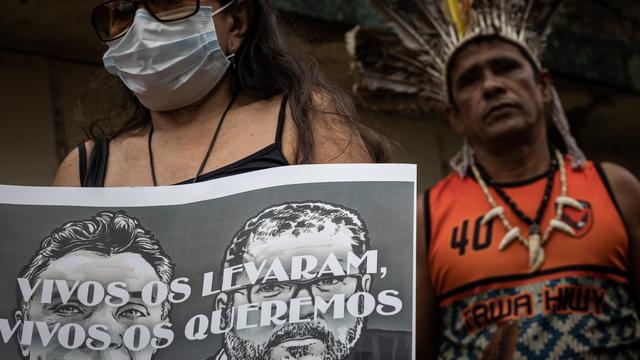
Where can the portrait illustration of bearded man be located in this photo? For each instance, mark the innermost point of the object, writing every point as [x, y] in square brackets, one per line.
[282, 232]
[109, 247]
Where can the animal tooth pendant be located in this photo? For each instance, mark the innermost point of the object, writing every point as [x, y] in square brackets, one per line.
[562, 226]
[570, 202]
[493, 213]
[538, 260]
[536, 252]
[511, 235]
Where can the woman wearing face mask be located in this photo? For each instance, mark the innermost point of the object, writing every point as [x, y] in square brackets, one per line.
[215, 92]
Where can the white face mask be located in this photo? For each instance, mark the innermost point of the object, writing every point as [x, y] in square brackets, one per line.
[169, 65]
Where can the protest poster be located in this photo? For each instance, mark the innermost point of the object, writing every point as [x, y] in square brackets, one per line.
[300, 262]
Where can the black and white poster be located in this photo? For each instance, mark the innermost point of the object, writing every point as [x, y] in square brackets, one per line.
[301, 262]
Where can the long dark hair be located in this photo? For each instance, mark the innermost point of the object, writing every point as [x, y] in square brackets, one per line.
[266, 67]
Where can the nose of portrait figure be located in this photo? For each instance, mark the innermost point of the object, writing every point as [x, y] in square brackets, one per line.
[306, 308]
[111, 326]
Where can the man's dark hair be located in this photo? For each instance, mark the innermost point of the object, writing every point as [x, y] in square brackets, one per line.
[299, 218]
[107, 233]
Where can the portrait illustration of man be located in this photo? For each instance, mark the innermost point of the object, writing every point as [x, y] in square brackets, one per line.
[283, 232]
[109, 247]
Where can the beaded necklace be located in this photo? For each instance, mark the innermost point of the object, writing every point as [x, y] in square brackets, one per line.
[535, 240]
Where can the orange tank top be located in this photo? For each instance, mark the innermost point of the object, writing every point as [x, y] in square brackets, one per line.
[578, 304]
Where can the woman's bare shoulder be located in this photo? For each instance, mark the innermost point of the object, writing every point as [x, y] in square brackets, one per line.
[68, 173]
[336, 138]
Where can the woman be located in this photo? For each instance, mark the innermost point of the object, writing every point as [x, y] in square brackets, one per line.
[215, 92]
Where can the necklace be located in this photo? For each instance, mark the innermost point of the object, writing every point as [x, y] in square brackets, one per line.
[535, 222]
[535, 240]
[208, 153]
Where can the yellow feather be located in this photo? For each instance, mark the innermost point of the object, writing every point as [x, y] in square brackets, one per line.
[456, 15]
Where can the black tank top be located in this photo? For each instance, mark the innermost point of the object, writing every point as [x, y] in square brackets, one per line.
[94, 171]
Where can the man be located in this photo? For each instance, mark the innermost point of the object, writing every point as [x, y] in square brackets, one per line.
[515, 236]
[280, 233]
[110, 247]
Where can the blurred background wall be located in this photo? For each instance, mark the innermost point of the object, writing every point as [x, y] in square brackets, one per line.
[49, 55]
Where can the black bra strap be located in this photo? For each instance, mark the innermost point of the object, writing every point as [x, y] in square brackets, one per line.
[97, 170]
[82, 161]
[281, 116]
[427, 221]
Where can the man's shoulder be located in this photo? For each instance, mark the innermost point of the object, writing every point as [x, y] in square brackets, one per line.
[619, 177]
[625, 189]
[451, 182]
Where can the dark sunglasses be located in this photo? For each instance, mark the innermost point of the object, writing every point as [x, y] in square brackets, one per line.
[112, 18]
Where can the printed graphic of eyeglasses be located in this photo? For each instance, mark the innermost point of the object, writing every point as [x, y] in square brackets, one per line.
[323, 287]
[112, 18]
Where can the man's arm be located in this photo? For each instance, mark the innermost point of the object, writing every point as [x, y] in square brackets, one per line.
[426, 312]
[626, 189]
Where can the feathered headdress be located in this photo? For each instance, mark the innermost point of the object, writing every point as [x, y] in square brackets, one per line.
[430, 33]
